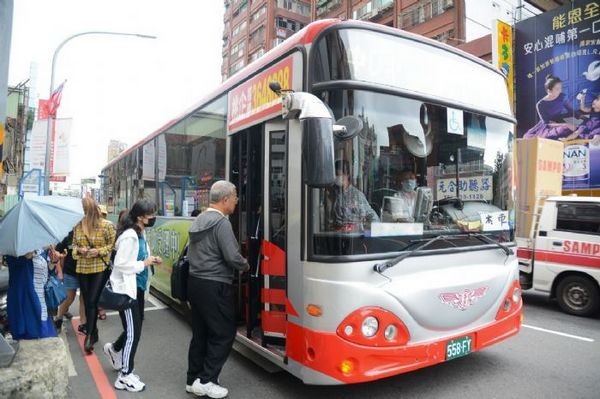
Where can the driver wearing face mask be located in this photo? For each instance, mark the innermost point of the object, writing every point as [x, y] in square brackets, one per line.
[350, 206]
[408, 185]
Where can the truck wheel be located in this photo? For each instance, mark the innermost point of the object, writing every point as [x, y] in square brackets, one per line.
[578, 295]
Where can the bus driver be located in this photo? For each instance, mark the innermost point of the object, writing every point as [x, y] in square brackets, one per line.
[350, 206]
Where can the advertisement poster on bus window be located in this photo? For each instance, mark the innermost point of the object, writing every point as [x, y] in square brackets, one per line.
[149, 157]
[167, 239]
[557, 71]
[169, 206]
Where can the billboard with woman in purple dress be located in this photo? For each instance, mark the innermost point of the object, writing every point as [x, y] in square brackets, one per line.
[552, 110]
[590, 128]
[557, 86]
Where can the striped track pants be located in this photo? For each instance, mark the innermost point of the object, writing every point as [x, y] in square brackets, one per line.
[132, 329]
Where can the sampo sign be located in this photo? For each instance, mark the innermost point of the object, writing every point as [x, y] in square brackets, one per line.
[254, 101]
[581, 248]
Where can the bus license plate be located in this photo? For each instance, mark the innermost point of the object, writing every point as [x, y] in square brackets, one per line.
[458, 347]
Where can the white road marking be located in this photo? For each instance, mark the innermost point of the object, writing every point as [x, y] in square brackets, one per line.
[115, 313]
[156, 302]
[559, 333]
[158, 305]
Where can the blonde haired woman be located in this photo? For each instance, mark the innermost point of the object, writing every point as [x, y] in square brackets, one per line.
[93, 241]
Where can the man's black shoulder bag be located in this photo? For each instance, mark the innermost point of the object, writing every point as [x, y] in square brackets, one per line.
[179, 277]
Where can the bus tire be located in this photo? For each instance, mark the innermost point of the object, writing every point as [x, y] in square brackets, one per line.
[578, 295]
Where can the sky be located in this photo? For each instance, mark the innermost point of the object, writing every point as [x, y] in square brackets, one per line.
[117, 87]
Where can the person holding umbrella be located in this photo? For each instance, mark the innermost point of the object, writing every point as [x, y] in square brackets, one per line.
[28, 316]
[33, 223]
[93, 241]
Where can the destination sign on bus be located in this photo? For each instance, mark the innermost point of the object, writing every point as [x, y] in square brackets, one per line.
[469, 188]
[254, 100]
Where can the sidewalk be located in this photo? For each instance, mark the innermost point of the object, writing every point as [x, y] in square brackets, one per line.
[161, 359]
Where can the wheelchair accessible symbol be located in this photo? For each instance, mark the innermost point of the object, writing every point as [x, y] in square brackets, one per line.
[455, 121]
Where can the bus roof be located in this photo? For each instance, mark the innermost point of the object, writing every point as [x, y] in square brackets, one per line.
[304, 36]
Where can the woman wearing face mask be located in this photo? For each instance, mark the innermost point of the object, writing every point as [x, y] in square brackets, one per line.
[408, 184]
[131, 260]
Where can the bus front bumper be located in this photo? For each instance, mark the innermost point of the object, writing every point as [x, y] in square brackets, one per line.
[329, 354]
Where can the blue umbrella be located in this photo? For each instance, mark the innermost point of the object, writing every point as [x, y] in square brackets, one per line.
[36, 222]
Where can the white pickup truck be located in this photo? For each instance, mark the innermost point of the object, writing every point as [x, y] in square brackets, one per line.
[562, 255]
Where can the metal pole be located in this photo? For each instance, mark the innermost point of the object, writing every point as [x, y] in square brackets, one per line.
[6, 18]
[51, 118]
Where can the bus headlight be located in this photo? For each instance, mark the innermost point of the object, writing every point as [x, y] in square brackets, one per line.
[390, 332]
[374, 326]
[516, 295]
[369, 327]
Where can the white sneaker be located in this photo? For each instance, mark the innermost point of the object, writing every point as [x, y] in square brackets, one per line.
[129, 382]
[190, 389]
[209, 389]
[115, 358]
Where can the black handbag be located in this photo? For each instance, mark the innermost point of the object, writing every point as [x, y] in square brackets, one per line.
[179, 277]
[113, 300]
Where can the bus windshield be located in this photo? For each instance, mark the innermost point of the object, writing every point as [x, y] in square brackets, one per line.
[412, 170]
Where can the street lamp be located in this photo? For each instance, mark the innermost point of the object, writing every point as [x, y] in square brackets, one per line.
[49, 127]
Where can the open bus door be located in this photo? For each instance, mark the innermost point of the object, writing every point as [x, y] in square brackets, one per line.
[258, 165]
[246, 160]
[273, 270]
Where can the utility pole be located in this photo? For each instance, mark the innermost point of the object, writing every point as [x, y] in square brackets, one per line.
[6, 16]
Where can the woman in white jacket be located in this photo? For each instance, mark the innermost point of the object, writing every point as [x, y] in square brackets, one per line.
[132, 258]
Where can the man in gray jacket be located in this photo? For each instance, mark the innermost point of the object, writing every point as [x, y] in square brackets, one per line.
[214, 259]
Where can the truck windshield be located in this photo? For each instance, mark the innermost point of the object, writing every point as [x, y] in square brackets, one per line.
[411, 170]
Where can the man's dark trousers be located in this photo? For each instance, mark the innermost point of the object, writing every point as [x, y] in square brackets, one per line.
[213, 328]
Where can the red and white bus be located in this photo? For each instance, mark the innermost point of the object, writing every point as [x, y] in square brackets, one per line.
[356, 274]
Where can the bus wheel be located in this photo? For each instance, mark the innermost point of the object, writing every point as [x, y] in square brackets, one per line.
[578, 295]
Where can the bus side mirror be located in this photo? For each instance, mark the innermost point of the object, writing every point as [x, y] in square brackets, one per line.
[317, 136]
[317, 152]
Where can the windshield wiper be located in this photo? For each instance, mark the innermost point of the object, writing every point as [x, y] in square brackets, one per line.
[482, 237]
[381, 267]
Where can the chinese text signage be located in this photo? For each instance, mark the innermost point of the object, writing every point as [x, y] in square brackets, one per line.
[253, 100]
[468, 188]
[557, 70]
[493, 221]
[505, 56]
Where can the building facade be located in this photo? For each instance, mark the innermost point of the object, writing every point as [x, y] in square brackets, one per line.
[438, 19]
[115, 147]
[252, 27]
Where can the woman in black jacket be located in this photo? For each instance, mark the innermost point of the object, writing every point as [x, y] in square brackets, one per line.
[63, 253]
